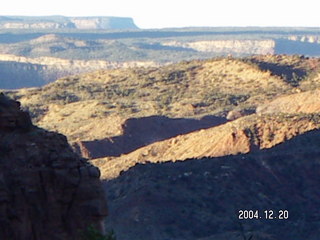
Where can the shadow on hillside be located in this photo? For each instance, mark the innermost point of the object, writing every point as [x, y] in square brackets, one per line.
[289, 74]
[139, 132]
[202, 199]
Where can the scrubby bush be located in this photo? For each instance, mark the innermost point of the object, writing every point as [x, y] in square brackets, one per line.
[93, 234]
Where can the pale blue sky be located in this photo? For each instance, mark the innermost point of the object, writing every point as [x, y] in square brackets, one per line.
[179, 13]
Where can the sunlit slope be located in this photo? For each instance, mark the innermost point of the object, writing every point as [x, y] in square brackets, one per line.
[188, 89]
[241, 136]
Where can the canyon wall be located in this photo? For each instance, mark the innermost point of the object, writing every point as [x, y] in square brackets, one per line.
[228, 46]
[46, 190]
[18, 72]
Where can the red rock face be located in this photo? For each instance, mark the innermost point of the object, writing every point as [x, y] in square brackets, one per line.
[46, 190]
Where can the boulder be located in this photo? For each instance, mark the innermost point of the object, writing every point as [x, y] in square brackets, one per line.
[238, 113]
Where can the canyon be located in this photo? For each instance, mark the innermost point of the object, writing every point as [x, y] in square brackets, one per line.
[184, 127]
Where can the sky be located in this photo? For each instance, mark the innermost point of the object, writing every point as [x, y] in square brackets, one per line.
[178, 13]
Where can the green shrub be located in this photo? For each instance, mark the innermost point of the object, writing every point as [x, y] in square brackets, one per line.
[93, 234]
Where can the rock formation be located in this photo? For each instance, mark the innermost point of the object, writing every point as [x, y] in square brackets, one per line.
[46, 191]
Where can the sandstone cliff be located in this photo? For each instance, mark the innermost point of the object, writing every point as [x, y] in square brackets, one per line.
[46, 191]
[19, 72]
[229, 46]
[305, 38]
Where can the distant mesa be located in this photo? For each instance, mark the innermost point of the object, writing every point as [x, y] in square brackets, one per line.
[61, 22]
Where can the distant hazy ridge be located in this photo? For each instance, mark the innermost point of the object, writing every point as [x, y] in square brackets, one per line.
[60, 22]
[38, 50]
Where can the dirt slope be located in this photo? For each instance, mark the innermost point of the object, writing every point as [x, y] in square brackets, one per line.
[305, 102]
[139, 132]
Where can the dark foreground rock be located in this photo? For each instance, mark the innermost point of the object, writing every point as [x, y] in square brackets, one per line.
[46, 191]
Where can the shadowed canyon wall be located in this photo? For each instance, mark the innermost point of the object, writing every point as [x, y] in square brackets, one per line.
[46, 190]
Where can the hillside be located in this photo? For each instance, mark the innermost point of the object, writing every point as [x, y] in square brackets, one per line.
[244, 135]
[186, 90]
[201, 198]
[306, 102]
[95, 106]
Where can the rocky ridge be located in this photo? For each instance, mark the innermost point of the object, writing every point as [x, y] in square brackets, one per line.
[46, 190]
